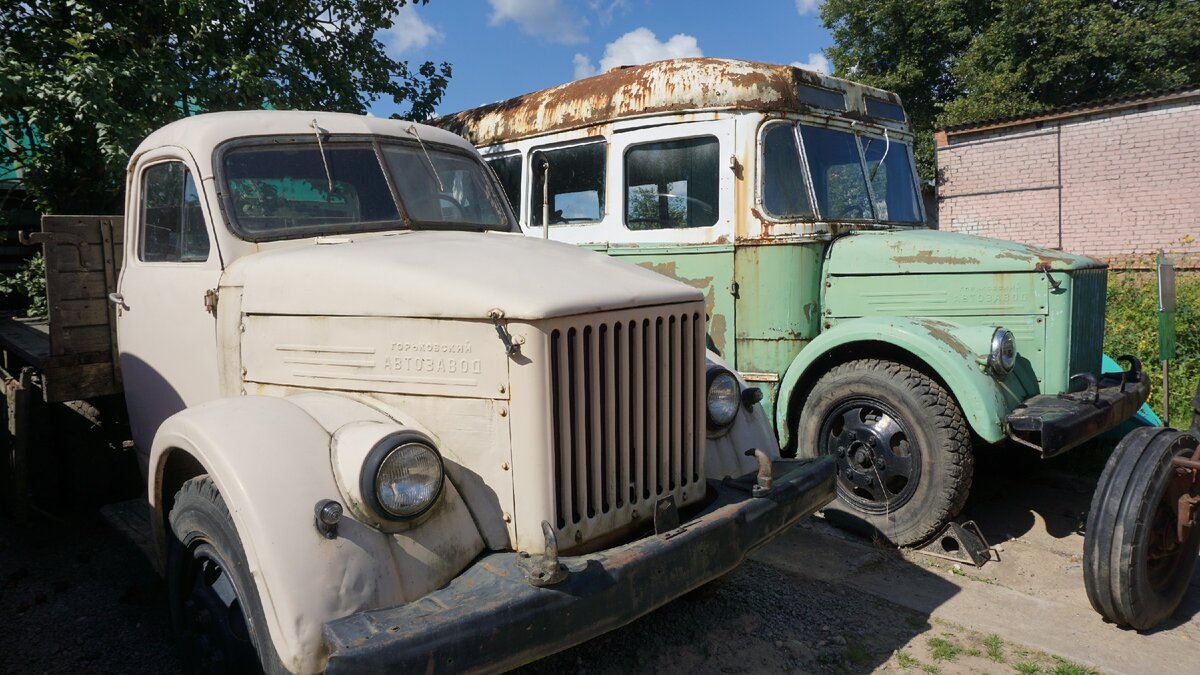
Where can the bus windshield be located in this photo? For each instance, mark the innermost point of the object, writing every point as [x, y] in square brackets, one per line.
[853, 177]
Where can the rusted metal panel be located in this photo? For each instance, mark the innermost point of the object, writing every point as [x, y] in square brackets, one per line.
[676, 85]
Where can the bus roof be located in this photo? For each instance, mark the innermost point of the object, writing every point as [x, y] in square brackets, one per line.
[674, 86]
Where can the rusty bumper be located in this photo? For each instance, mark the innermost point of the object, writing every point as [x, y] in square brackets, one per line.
[489, 619]
[1055, 423]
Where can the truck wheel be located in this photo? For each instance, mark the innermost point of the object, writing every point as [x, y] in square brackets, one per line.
[215, 609]
[904, 452]
[1135, 567]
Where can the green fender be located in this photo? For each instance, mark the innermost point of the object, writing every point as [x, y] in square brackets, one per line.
[952, 352]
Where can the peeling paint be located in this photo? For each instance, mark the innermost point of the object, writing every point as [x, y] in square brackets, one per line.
[670, 86]
[929, 257]
[940, 331]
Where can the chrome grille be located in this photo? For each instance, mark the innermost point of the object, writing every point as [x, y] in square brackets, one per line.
[628, 422]
[1088, 289]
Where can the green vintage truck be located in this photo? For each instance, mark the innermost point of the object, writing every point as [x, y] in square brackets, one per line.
[791, 199]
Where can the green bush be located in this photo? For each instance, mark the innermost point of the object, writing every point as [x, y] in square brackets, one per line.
[1131, 327]
[29, 283]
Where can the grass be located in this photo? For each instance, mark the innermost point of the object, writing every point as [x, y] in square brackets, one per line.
[906, 660]
[942, 649]
[1131, 327]
[994, 645]
[1028, 668]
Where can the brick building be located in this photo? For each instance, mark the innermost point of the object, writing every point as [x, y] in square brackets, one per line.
[1116, 179]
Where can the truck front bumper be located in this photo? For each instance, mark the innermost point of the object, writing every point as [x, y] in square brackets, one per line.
[489, 619]
[1055, 423]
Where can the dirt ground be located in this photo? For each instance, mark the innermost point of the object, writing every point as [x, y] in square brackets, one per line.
[76, 597]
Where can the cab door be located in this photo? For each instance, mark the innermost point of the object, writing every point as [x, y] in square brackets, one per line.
[166, 331]
[674, 203]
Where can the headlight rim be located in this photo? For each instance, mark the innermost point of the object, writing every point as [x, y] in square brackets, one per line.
[710, 376]
[995, 361]
[368, 477]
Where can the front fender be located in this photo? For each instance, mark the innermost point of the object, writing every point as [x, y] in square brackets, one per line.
[726, 452]
[951, 352]
[270, 459]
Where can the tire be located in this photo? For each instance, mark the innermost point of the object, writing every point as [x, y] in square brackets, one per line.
[1135, 568]
[215, 608]
[904, 450]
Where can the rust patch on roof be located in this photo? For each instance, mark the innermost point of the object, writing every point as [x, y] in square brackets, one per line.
[929, 257]
[674, 85]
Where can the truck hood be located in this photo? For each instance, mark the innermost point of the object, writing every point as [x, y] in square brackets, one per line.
[443, 275]
[936, 252]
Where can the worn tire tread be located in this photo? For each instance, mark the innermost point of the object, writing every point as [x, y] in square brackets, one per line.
[957, 459]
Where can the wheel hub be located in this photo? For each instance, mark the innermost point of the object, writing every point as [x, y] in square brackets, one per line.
[877, 468]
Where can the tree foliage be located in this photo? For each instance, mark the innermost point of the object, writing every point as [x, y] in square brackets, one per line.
[83, 81]
[959, 61]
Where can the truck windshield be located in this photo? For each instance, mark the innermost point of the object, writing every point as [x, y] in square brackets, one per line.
[874, 184]
[302, 190]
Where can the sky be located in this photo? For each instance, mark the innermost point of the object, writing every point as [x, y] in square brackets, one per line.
[503, 48]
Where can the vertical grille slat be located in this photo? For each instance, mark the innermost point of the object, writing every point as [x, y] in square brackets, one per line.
[689, 391]
[628, 422]
[595, 423]
[699, 406]
[561, 384]
[652, 426]
[638, 366]
[610, 417]
[579, 425]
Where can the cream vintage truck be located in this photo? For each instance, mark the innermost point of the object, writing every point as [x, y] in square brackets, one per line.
[381, 430]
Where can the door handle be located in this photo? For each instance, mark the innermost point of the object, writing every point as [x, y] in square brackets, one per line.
[118, 300]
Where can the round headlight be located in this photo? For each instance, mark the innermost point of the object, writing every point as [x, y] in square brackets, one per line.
[1003, 356]
[724, 396]
[406, 479]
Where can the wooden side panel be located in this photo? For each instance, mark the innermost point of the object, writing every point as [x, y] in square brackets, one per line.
[83, 255]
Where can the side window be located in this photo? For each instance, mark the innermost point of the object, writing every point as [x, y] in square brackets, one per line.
[172, 223]
[784, 192]
[576, 184]
[508, 170]
[675, 184]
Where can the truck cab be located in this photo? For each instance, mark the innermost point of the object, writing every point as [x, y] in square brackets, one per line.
[381, 429]
[790, 199]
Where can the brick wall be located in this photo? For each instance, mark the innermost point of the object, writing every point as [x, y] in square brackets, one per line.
[1118, 184]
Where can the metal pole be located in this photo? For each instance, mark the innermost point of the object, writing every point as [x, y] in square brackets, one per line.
[1166, 394]
[545, 200]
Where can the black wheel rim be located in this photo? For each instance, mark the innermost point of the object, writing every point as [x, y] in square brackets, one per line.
[1166, 556]
[877, 458]
[214, 628]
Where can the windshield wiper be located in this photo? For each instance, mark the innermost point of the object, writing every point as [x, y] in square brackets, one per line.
[887, 146]
[412, 129]
[324, 161]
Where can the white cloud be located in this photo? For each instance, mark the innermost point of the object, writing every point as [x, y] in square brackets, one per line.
[808, 6]
[638, 46]
[583, 67]
[816, 61]
[604, 9]
[546, 19]
[409, 31]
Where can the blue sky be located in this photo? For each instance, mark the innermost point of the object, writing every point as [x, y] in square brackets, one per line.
[502, 48]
